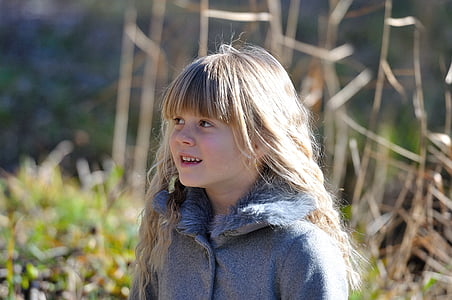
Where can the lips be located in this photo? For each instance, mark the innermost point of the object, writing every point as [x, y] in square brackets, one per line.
[187, 159]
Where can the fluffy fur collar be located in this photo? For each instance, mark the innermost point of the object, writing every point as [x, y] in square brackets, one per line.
[269, 203]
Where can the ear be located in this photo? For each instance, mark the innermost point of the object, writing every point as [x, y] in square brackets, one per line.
[258, 150]
[254, 160]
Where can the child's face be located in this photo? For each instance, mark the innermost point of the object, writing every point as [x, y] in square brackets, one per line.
[206, 155]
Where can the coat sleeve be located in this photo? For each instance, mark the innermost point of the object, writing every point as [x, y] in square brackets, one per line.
[313, 268]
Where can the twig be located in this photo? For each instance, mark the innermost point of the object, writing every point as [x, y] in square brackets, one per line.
[448, 79]
[442, 198]
[142, 41]
[204, 28]
[376, 138]
[375, 106]
[277, 36]
[440, 277]
[445, 161]
[237, 16]
[335, 54]
[392, 79]
[353, 145]
[291, 29]
[334, 129]
[335, 17]
[147, 99]
[347, 92]
[123, 99]
[418, 207]
[448, 103]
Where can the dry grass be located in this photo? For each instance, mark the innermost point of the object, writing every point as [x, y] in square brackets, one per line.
[401, 198]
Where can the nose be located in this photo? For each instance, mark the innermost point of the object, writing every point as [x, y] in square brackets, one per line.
[185, 136]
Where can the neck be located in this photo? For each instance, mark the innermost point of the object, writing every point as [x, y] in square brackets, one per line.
[222, 199]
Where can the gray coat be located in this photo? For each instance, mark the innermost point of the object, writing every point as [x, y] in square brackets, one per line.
[263, 249]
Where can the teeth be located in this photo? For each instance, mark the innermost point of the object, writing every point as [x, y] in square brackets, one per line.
[190, 159]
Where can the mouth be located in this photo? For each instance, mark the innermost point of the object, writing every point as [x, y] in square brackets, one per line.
[185, 159]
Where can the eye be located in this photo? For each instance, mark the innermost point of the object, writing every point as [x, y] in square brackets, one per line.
[178, 121]
[205, 124]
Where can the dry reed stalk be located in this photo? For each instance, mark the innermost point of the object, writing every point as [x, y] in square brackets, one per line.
[448, 125]
[335, 130]
[441, 277]
[204, 28]
[337, 13]
[392, 79]
[448, 78]
[443, 219]
[237, 16]
[147, 100]
[332, 55]
[448, 105]
[354, 152]
[442, 158]
[291, 28]
[141, 40]
[124, 85]
[252, 26]
[340, 152]
[380, 177]
[273, 17]
[375, 110]
[334, 109]
[87, 178]
[431, 263]
[436, 244]
[277, 36]
[371, 136]
[442, 198]
[372, 202]
[443, 141]
[378, 228]
[347, 92]
[410, 176]
[418, 206]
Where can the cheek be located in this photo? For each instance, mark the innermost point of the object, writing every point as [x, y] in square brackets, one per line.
[224, 150]
[172, 145]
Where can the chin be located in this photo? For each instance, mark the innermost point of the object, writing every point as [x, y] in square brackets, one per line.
[189, 183]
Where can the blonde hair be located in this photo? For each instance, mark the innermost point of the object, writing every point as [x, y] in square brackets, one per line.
[249, 90]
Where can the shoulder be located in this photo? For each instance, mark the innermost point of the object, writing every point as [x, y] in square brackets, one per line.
[315, 262]
[309, 244]
[310, 237]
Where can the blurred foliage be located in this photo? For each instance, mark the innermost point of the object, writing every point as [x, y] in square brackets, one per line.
[57, 81]
[62, 239]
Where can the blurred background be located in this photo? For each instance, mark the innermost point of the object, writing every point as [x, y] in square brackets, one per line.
[80, 87]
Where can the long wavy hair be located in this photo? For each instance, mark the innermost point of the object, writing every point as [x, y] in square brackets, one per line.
[250, 91]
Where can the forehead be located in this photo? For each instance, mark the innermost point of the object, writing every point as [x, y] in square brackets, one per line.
[193, 114]
[198, 95]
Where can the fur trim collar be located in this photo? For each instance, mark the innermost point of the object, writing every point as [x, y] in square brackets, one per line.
[269, 203]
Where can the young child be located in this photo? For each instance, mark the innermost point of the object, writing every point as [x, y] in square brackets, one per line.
[237, 207]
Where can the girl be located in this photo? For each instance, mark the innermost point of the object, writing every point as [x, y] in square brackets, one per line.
[237, 207]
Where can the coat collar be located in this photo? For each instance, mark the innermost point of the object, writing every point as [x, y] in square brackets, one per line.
[268, 203]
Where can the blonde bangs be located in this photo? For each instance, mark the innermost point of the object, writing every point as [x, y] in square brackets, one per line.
[199, 91]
